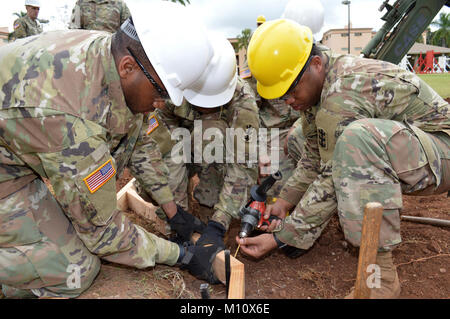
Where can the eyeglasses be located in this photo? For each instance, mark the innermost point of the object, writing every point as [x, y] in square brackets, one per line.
[297, 79]
[162, 92]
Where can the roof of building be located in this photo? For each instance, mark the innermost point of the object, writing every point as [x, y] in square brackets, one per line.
[423, 48]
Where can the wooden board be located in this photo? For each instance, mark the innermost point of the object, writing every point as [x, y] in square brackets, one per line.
[129, 199]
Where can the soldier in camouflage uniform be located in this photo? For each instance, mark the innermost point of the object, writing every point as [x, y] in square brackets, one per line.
[222, 185]
[28, 25]
[277, 117]
[72, 104]
[377, 131]
[102, 15]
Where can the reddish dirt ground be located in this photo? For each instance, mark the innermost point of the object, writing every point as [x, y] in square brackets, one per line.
[328, 270]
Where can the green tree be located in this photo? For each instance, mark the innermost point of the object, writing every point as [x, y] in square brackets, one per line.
[244, 39]
[442, 35]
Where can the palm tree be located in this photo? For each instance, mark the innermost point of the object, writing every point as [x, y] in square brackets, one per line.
[183, 2]
[20, 14]
[244, 38]
[442, 35]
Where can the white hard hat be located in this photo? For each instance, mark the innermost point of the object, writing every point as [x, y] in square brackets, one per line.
[34, 3]
[217, 84]
[309, 13]
[176, 43]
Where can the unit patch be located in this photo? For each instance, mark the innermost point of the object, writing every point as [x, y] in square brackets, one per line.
[100, 176]
[322, 138]
[152, 124]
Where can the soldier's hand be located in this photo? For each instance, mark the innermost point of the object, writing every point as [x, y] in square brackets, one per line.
[184, 224]
[212, 235]
[264, 165]
[257, 246]
[198, 261]
[279, 209]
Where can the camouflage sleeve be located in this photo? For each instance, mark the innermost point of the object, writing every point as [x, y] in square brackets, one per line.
[84, 180]
[20, 30]
[302, 227]
[75, 19]
[239, 177]
[124, 13]
[148, 167]
[308, 167]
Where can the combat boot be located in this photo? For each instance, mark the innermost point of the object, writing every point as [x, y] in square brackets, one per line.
[389, 282]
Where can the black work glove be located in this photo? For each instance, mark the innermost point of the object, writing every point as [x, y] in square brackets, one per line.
[184, 224]
[198, 261]
[212, 235]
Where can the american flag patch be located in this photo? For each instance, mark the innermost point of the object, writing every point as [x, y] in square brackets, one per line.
[245, 73]
[100, 176]
[152, 124]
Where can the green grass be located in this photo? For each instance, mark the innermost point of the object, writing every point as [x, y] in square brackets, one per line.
[439, 82]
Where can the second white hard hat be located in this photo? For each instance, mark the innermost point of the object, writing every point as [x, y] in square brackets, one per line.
[176, 43]
[34, 3]
[217, 84]
[309, 13]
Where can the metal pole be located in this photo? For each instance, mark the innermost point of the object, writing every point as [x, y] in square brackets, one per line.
[348, 27]
[347, 3]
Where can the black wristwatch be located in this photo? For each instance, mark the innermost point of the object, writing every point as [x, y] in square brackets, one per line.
[280, 244]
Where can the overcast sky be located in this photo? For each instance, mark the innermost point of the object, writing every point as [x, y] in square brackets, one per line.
[226, 16]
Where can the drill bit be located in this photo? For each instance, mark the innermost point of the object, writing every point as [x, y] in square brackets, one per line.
[239, 246]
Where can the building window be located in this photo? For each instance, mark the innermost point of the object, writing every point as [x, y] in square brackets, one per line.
[344, 35]
[358, 34]
[358, 48]
[344, 49]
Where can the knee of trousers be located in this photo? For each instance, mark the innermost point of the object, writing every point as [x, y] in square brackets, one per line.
[48, 269]
[363, 173]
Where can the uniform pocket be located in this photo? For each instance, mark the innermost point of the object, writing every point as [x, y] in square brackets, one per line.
[96, 183]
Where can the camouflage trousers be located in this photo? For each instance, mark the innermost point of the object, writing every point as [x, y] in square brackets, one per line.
[40, 253]
[378, 160]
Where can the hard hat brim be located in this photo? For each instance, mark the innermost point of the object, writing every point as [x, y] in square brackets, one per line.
[210, 101]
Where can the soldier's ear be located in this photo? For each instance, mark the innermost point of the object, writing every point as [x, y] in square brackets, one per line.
[127, 65]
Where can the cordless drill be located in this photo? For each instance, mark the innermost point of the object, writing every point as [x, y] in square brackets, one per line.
[252, 214]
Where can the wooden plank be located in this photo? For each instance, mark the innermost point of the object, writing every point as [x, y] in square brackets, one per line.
[146, 210]
[122, 200]
[370, 234]
[237, 276]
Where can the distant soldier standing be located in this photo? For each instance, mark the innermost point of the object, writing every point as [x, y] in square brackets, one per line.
[28, 25]
[102, 15]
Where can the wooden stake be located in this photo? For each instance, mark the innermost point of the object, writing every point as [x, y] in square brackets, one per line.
[370, 235]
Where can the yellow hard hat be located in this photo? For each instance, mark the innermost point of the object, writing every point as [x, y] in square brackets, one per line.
[261, 19]
[277, 52]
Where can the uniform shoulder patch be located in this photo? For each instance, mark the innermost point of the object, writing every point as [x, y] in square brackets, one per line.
[322, 138]
[100, 176]
[152, 124]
